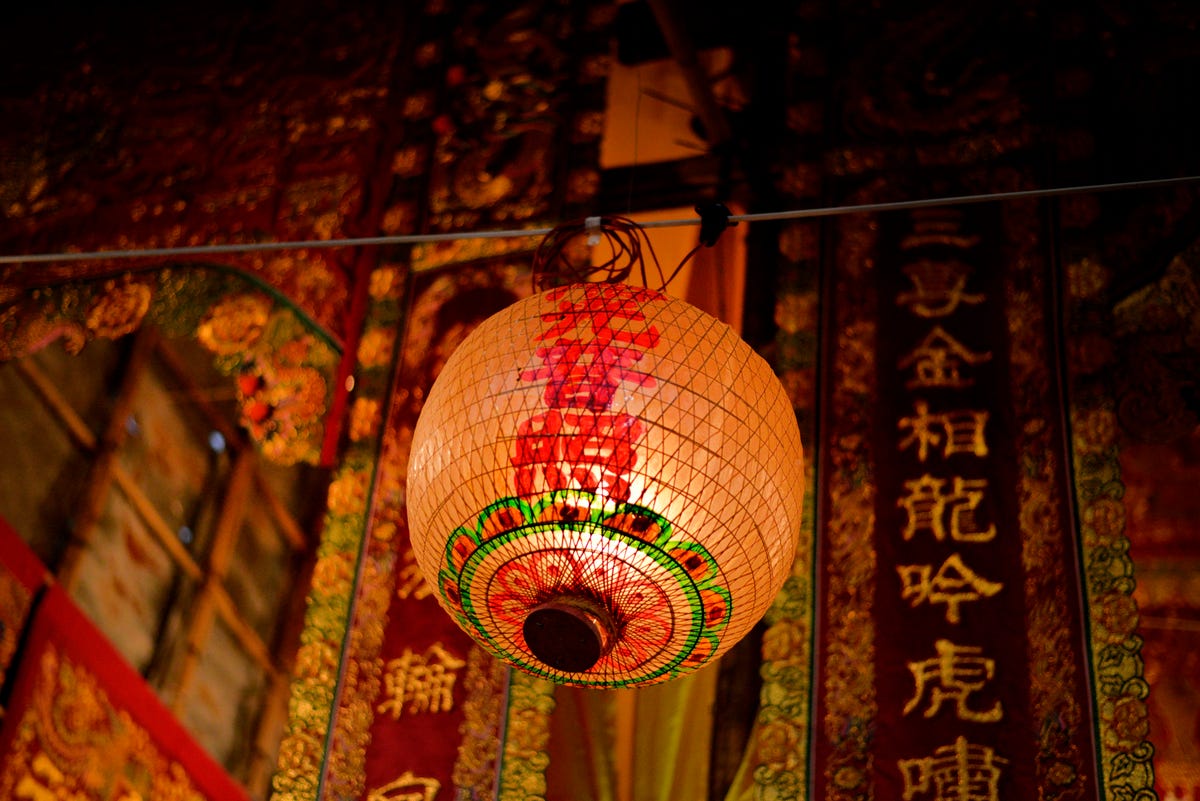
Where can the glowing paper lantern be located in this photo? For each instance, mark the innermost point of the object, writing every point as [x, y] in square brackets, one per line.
[605, 485]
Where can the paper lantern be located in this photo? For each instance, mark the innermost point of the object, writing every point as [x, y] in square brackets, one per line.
[605, 485]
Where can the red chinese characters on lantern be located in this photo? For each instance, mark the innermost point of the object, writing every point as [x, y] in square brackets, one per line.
[592, 347]
[585, 376]
[585, 450]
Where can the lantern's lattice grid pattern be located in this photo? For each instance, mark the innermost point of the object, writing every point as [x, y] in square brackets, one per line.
[613, 444]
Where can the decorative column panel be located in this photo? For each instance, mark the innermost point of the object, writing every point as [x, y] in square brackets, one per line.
[1132, 318]
[775, 762]
[950, 656]
[950, 659]
[1131, 314]
[498, 128]
[1102, 405]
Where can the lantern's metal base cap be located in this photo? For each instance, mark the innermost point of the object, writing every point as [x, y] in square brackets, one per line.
[569, 633]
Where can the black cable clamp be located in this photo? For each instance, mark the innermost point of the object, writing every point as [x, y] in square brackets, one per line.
[714, 219]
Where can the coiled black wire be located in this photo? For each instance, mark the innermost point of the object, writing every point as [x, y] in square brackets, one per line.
[566, 254]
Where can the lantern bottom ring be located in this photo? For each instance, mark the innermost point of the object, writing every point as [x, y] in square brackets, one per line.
[569, 633]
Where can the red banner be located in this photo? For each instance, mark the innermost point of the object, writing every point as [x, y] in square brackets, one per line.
[952, 663]
[21, 576]
[424, 699]
[81, 724]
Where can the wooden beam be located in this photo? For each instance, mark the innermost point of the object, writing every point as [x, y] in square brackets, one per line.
[658, 185]
[57, 403]
[211, 598]
[683, 50]
[100, 476]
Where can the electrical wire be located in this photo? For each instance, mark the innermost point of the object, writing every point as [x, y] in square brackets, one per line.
[417, 239]
[619, 241]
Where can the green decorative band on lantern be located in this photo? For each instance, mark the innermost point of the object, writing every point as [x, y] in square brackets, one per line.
[519, 557]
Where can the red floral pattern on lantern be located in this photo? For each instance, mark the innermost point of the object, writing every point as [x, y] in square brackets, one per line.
[523, 583]
[638, 604]
[663, 592]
